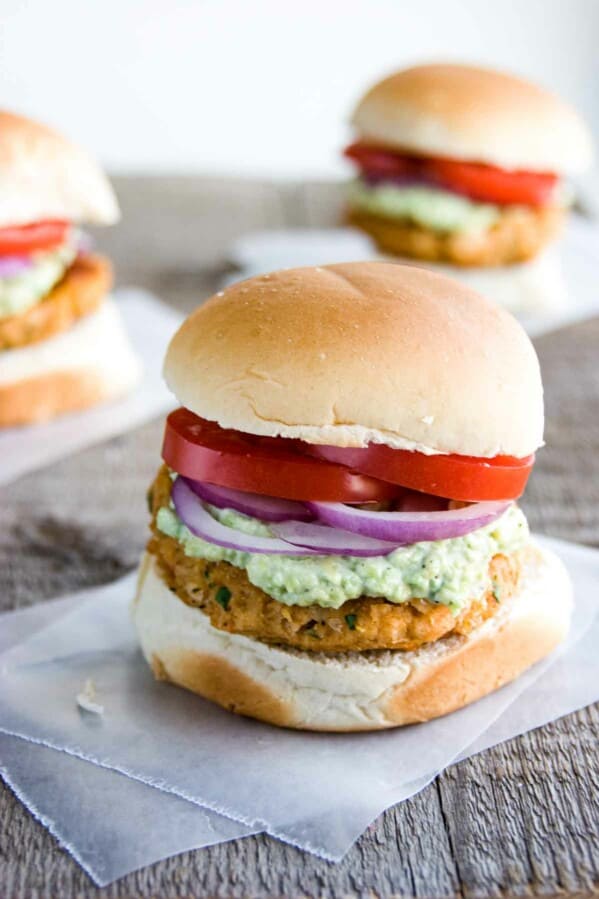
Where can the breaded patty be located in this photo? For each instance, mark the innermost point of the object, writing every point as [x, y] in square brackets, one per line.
[224, 593]
[520, 233]
[79, 292]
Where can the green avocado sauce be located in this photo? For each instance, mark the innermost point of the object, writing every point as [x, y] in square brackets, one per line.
[450, 572]
[429, 207]
[20, 292]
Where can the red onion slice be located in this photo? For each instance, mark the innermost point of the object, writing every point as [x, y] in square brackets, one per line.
[268, 508]
[14, 265]
[408, 527]
[331, 541]
[195, 517]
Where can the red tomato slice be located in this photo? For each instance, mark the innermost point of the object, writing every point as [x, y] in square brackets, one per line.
[486, 183]
[203, 450]
[465, 478]
[24, 239]
[493, 185]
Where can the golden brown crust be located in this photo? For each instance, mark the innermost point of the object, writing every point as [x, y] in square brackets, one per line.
[519, 234]
[80, 292]
[44, 397]
[218, 680]
[233, 604]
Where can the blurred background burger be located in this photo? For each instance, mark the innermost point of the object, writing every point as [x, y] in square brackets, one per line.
[62, 345]
[465, 166]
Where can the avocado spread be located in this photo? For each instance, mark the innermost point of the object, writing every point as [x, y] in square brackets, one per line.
[429, 207]
[20, 292]
[450, 572]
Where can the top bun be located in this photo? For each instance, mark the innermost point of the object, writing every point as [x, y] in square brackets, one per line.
[479, 115]
[359, 353]
[44, 176]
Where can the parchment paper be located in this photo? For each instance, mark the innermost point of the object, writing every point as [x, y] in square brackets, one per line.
[109, 823]
[316, 791]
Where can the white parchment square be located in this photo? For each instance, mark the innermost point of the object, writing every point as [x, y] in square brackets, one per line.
[110, 824]
[316, 791]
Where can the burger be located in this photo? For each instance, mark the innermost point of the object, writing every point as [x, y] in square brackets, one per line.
[336, 543]
[62, 344]
[466, 167]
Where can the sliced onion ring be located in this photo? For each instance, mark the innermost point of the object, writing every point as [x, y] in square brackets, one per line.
[268, 508]
[10, 266]
[331, 541]
[301, 539]
[201, 523]
[408, 527]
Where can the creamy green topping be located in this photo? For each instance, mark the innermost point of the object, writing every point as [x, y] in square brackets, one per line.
[450, 572]
[22, 291]
[430, 207]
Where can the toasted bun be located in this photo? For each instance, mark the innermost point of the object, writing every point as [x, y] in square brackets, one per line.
[90, 363]
[44, 176]
[464, 112]
[358, 353]
[352, 691]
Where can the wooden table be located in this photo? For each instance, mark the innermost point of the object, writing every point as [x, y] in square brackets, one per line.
[520, 819]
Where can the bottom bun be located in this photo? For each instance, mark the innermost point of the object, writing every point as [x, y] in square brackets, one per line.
[89, 364]
[352, 691]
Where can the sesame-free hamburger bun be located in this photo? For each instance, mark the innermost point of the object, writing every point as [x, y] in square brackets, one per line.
[476, 114]
[362, 352]
[45, 176]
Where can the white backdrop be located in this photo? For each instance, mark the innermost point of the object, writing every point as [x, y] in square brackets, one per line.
[262, 86]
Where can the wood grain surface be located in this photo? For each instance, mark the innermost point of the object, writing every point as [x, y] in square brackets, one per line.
[518, 820]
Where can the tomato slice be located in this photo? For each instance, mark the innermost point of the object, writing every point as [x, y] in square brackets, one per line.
[486, 183]
[465, 478]
[203, 450]
[24, 239]
[490, 184]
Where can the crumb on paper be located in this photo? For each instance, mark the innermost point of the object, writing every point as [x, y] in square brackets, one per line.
[427, 419]
[86, 699]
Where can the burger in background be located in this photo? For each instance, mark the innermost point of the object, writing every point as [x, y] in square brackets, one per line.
[62, 344]
[466, 168]
[335, 542]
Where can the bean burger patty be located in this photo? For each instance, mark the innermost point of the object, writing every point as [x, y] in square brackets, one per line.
[233, 604]
[519, 234]
[80, 292]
